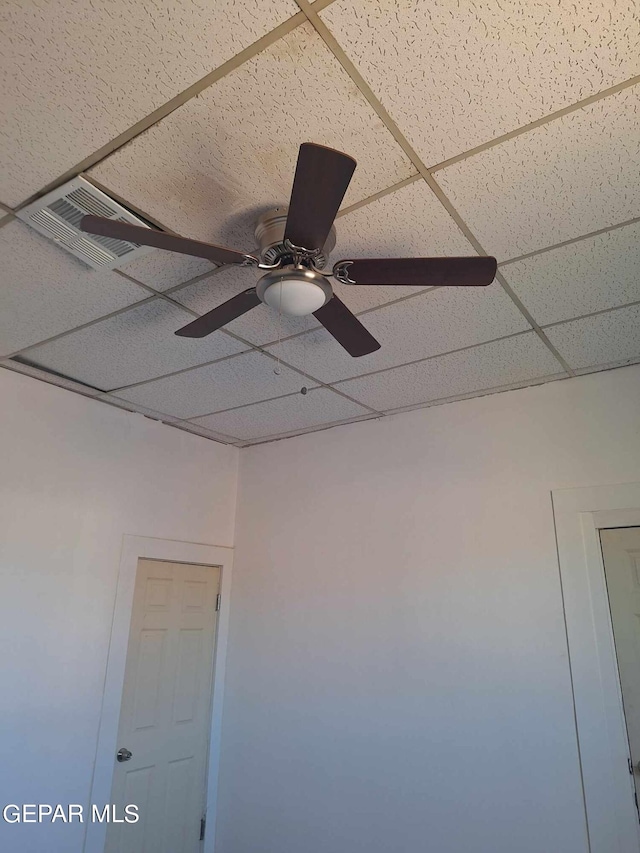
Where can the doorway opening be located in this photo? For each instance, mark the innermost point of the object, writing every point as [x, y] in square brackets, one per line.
[583, 519]
[159, 778]
[160, 726]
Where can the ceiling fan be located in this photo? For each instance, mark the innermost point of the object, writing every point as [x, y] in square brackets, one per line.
[294, 246]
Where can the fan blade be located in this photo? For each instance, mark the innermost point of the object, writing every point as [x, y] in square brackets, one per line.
[476, 271]
[220, 316]
[346, 328]
[321, 180]
[162, 240]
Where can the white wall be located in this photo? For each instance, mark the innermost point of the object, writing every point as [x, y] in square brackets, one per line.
[75, 475]
[397, 675]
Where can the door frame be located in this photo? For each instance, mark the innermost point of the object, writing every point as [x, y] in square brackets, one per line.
[135, 548]
[611, 815]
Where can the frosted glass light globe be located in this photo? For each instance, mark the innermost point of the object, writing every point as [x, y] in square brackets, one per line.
[295, 296]
[294, 290]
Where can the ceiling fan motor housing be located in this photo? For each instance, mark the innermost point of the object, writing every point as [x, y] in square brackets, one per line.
[269, 235]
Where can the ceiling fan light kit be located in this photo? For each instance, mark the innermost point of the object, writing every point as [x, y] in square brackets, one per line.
[294, 247]
[297, 291]
[297, 284]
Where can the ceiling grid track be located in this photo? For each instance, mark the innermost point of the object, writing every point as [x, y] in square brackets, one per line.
[594, 314]
[570, 242]
[608, 229]
[166, 297]
[371, 411]
[171, 105]
[333, 45]
[536, 328]
[152, 290]
[432, 357]
[572, 108]
[309, 12]
[263, 349]
[161, 294]
[380, 194]
[471, 395]
[79, 328]
[269, 439]
[316, 382]
[333, 385]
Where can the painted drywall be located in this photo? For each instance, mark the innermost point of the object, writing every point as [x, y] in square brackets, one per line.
[75, 476]
[397, 675]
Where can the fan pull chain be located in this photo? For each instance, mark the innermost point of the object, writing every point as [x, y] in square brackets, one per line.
[304, 388]
[277, 369]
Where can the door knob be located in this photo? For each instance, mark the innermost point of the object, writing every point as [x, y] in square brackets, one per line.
[123, 754]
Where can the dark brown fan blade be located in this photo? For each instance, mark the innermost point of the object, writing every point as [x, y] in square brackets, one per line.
[321, 180]
[346, 328]
[161, 240]
[220, 316]
[422, 272]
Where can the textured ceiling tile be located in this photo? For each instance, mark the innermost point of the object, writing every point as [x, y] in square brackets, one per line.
[131, 347]
[44, 291]
[319, 407]
[577, 174]
[361, 298]
[260, 326]
[581, 278]
[455, 75]
[235, 382]
[429, 324]
[409, 222]
[599, 340]
[208, 167]
[77, 76]
[518, 359]
[163, 270]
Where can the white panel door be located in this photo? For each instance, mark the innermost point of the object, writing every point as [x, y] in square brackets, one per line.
[621, 553]
[165, 716]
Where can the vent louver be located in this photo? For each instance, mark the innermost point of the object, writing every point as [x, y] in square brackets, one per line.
[58, 214]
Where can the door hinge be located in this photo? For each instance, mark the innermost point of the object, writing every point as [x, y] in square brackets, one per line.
[218, 598]
[630, 766]
[203, 824]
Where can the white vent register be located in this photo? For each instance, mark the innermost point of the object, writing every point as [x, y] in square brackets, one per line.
[57, 216]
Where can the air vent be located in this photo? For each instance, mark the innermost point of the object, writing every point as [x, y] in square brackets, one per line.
[58, 214]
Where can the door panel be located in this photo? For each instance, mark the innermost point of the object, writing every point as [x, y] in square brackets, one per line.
[165, 715]
[148, 672]
[187, 683]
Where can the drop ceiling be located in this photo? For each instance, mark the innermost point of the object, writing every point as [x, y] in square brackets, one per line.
[507, 128]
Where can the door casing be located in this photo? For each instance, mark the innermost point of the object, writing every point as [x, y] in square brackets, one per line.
[611, 818]
[133, 549]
